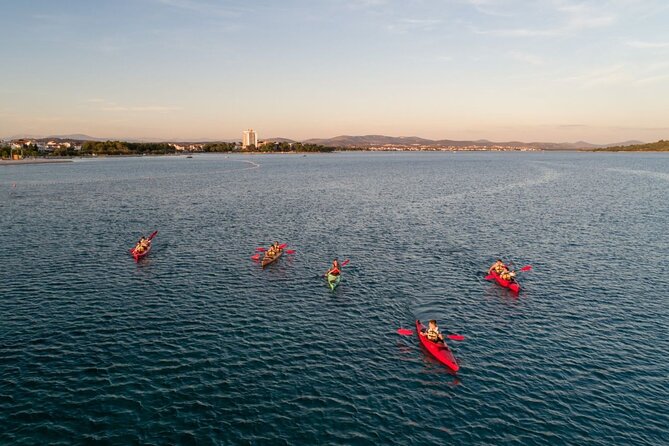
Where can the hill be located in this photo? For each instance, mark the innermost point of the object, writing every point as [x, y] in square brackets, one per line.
[280, 140]
[659, 146]
[368, 141]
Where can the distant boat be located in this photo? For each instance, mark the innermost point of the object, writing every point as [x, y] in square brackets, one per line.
[189, 156]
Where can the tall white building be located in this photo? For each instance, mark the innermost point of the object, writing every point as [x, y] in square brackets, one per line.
[249, 138]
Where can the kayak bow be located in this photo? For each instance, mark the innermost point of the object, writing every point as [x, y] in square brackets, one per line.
[333, 280]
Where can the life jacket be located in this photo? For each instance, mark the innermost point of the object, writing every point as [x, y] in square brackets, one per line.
[508, 275]
[432, 335]
[334, 271]
[499, 268]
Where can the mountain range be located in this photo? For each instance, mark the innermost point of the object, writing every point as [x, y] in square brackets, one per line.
[366, 141]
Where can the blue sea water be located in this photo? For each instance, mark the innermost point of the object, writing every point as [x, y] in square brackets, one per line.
[197, 344]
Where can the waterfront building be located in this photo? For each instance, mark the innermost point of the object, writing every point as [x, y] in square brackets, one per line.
[249, 138]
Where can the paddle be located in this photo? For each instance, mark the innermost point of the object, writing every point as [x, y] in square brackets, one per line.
[153, 234]
[255, 257]
[290, 251]
[265, 249]
[454, 336]
[521, 270]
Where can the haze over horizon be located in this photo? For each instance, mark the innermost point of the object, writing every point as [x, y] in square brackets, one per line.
[547, 70]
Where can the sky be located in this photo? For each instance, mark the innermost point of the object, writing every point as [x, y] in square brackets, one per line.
[502, 70]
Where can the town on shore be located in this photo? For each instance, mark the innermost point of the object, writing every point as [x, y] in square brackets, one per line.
[82, 146]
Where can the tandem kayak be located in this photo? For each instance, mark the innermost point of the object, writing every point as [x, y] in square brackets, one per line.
[438, 349]
[138, 255]
[269, 259]
[510, 284]
[333, 280]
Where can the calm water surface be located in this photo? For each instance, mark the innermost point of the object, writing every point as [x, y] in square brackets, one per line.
[197, 345]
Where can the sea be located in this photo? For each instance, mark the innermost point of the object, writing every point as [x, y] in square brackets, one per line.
[196, 344]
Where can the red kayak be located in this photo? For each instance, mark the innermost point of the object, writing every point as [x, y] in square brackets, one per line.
[438, 349]
[510, 284]
[141, 254]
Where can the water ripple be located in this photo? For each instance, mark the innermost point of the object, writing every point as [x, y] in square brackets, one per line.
[199, 345]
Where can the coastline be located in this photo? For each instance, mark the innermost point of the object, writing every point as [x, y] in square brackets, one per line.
[33, 161]
[29, 161]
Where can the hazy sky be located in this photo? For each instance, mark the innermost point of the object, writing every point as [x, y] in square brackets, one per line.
[540, 70]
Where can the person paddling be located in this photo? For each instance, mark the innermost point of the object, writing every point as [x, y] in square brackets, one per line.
[334, 269]
[499, 267]
[141, 244]
[273, 250]
[508, 275]
[432, 333]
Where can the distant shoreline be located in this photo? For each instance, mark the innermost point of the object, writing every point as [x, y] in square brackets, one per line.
[660, 146]
[33, 161]
[624, 151]
[53, 160]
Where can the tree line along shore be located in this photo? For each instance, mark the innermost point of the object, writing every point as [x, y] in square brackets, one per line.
[659, 146]
[95, 148]
[123, 148]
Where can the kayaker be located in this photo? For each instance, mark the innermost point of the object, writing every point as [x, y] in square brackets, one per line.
[141, 244]
[273, 249]
[432, 333]
[508, 275]
[334, 269]
[499, 267]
